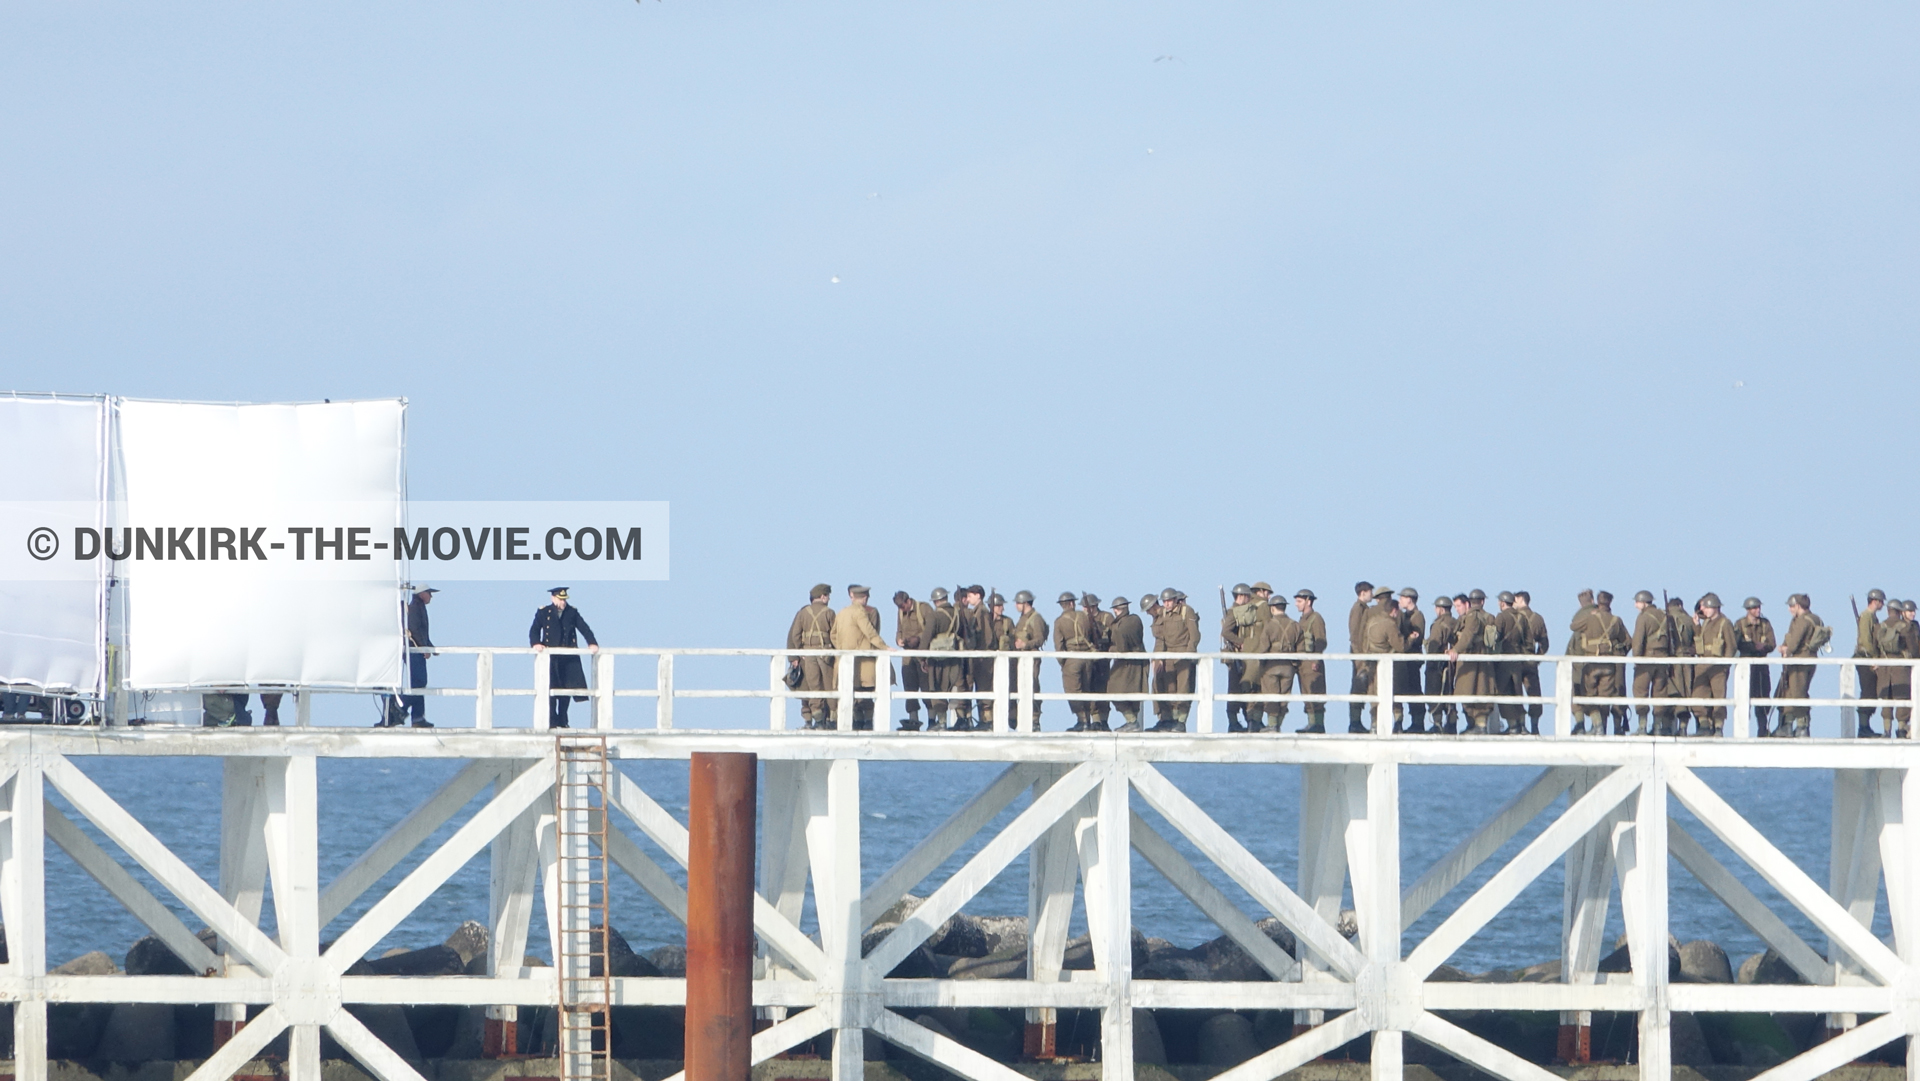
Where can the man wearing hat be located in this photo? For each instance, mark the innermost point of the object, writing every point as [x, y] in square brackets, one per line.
[1900, 640]
[1100, 670]
[1474, 634]
[813, 629]
[1753, 635]
[913, 630]
[1866, 646]
[1804, 639]
[1236, 625]
[1277, 634]
[858, 627]
[945, 635]
[1714, 637]
[1439, 636]
[1362, 670]
[560, 626]
[418, 637]
[1406, 674]
[1029, 635]
[1652, 638]
[1681, 680]
[1126, 641]
[1313, 674]
[981, 619]
[1176, 629]
[1073, 633]
[1534, 643]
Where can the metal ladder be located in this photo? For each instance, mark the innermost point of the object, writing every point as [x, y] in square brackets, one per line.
[586, 977]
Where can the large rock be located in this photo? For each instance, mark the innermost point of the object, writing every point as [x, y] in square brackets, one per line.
[151, 957]
[1702, 961]
[73, 1028]
[1620, 960]
[622, 959]
[1225, 959]
[962, 936]
[138, 1032]
[96, 963]
[430, 961]
[670, 960]
[389, 1025]
[993, 1034]
[1226, 1039]
[1768, 967]
[469, 940]
[1689, 1042]
[1007, 965]
[649, 1032]
[1148, 1048]
[1175, 967]
[434, 1027]
[1746, 1039]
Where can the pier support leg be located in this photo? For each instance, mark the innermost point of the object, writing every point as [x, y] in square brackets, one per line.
[1323, 863]
[833, 845]
[243, 867]
[23, 888]
[1373, 852]
[720, 856]
[1853, 872]
[783, 856]
[293, 861]
[514, 861]
[1106, 853]
[1052, 871]
[1640, 855]
[1586, 899]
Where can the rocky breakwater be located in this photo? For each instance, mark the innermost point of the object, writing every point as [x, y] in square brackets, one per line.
[965, 947]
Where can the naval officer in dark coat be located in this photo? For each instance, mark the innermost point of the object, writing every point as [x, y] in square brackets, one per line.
[560, 626]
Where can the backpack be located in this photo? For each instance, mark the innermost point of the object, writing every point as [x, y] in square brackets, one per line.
[1490, 636]
[1822, 634]
[950, 638]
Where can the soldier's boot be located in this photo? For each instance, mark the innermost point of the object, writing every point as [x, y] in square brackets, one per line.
[1533, 720]
[1640, 725]
[1316, 722]
[1235, 723]
[1256, 722]
[1477, 726]
[912, 723]
[1278, 722]
[1356, 711]
[1418, 725]
[1802, 727]
[1131, 719]
[1866, 728]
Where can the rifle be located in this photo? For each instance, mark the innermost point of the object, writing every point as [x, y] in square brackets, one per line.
[1227, 645]
[1856, 608]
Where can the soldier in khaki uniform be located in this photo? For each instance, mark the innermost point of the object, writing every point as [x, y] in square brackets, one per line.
[1237, 624]
[1279, 634]
[1073, 633]
[1896, 681]
[1533, 642]
[1406, 674]
[913, 630]
[1127, 636]
[1313, 674]
[945, 635]
[976, 633]
[1176, 629]
[1715, 637]
[1753, 634]
[1029, 636]
[1097, 675]
[1474, 634]
[1602, 634]
[1684, 626]
[996, 634]
[1439, 639]
[1652, 637]
[1509, 627]
[1379, 634]
[813, 629]
[1362, 670]
[1805, 636]
[858, 627]
[1866, 646]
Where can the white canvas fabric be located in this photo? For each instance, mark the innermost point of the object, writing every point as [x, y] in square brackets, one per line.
[196, 623]
[52, 630]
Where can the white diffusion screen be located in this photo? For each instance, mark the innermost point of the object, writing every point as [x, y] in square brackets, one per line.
[198, 620]
[52, 627]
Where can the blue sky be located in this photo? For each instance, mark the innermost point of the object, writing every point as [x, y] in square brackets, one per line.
[1129, 295]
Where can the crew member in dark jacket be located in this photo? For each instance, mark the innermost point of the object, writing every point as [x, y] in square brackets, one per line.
[417, 638]
[560, 626]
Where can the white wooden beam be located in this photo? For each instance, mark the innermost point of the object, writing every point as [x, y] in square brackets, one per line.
[25, 888]
[1245, 869]
[1783, 874]
[1475, 1051]
[1110, 888]
[127, 890]
[1453, 868]
[159, 861]
[833, 845]
[406, 835]
[1298, 1051]
[380, 1060]
[935, 849]
[943, 1052]
[776, 1038]
[1827, 1057]
[240, 1049]
[466, 842]
[1751, 911]
[981, 869]
[1208, 898]
[1506, 884]
[1650, 923]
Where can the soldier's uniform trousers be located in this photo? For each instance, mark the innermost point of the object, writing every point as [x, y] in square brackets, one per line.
[1506, 681]
[817, 674]
[946, 675]
[1795, 680]
[1097, 682]
[1276, 677]
[1406, 680]
[1869, 678]
[916, 675]
[1174, 677]
[1896, 685]
[1475, 677]
[1527, 680]
[1710, 681]
[1076, 677]
[1760, 685]
[1313, 680]
[1437, 683]
[1654, 681]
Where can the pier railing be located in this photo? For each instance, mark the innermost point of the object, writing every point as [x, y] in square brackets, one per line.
[1018, 678]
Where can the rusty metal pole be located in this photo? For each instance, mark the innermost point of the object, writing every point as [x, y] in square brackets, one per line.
[720, 849]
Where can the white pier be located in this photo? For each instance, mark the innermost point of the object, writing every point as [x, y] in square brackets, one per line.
[1615, 833]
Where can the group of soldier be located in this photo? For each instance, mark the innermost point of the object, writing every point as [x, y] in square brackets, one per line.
[1677, 653]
